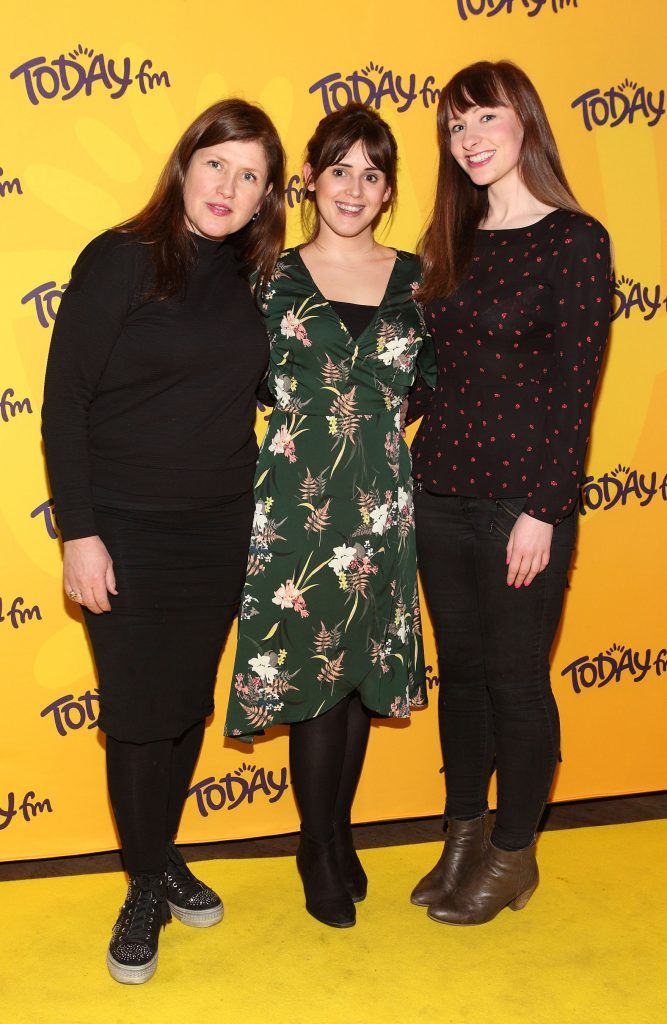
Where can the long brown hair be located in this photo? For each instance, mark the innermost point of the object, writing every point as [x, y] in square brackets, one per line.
[162, 223]
[447, 242]
[333, 138]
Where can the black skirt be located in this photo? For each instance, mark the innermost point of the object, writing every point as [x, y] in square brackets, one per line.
[179, 576]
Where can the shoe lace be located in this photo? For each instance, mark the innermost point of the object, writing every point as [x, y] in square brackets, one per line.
[142, 909]
[184, 879]
[179, 872]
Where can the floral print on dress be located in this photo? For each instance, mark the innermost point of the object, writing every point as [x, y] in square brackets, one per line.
[331, 603]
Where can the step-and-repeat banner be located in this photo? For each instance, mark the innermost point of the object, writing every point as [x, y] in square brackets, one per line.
[92, 104]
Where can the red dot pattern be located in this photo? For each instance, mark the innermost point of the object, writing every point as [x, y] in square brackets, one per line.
[519, 348]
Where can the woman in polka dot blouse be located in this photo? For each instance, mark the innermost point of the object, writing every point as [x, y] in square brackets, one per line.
[517, 287]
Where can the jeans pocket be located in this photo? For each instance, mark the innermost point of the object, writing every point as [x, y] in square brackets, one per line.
[513, 507]
[505, 515]
[495, 526]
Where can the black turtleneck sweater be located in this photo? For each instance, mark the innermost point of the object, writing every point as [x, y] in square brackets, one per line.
[152, 402]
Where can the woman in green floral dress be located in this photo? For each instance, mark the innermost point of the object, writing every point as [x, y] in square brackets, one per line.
[329, 627]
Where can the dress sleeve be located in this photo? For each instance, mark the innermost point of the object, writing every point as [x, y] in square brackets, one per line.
[582, 285]
[90, 319]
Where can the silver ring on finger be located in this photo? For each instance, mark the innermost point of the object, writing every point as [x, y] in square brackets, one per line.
[74, 595]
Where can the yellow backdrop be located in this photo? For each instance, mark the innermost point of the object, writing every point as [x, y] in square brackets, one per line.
[93, 102]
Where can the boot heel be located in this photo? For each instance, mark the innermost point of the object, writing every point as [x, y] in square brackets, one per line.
[520, 902]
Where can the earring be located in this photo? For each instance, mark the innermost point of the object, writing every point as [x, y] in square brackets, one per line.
[255, 215]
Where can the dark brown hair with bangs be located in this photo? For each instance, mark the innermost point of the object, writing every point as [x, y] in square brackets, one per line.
[334, 137]
[446, 245]
[162, 224]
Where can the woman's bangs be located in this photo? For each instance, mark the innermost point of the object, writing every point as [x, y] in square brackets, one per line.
[378, 153]
[474, 88]
[374, 146]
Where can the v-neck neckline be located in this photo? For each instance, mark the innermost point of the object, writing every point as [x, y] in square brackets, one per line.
[333, 310]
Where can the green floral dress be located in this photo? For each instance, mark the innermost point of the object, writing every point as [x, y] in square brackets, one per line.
[330, 603]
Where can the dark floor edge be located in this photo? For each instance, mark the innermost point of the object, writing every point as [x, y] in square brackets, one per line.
[608, 810]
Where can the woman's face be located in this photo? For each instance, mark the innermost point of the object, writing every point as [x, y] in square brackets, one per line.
[486, 143]
[349, 194]
[224, 186]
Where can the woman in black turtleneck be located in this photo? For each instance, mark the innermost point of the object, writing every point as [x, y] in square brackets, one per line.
[148, 425]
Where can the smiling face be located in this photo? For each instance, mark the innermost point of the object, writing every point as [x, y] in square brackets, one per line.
[349, 194]
[486, 143]
[224, 186]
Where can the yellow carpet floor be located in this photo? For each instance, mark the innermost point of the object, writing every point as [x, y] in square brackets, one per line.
[590, 947]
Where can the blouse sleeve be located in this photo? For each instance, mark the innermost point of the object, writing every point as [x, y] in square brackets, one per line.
[582, 296]
[264, 393]
[90, 319]
[418, 400]
[427, 375]
[421, 391]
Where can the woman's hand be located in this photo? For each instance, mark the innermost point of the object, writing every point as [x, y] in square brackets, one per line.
[88, 573]
[528, 550]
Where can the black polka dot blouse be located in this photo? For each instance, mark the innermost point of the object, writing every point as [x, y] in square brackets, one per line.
[519, 347]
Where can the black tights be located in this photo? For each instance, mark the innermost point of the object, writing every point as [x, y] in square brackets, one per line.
[326, 755]
[148, 785]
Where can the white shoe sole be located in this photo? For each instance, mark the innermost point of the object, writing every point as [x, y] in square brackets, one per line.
[127, 975]
[198, 918]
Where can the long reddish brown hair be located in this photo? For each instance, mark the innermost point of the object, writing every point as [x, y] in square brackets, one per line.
[162, 223]
[447, 242]
[334, 137]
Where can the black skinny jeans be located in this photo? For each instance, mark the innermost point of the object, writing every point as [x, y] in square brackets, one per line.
[495, 702]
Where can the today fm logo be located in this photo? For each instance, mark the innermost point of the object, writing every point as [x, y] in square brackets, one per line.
[28, 808]
[70, 714]
[9, 186]
[489, 8]
[48, 517]
[621, 486]
[374, 85]
[620, 104]
[237, 787]
[632, 296]
[17, 613]
[613, 665]
[11, 406]
[295, 192]
[46, 298]
[83, 70]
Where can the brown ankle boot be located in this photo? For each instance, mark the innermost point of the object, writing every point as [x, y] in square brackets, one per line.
[463, 851]
[504, 878]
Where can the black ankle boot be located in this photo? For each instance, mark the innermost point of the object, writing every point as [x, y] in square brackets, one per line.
[190, 901]
[327, 899]
[132, 954]
[350, 866]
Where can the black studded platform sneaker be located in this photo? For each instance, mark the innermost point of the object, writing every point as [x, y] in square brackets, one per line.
[132, 954]
[190, 901]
